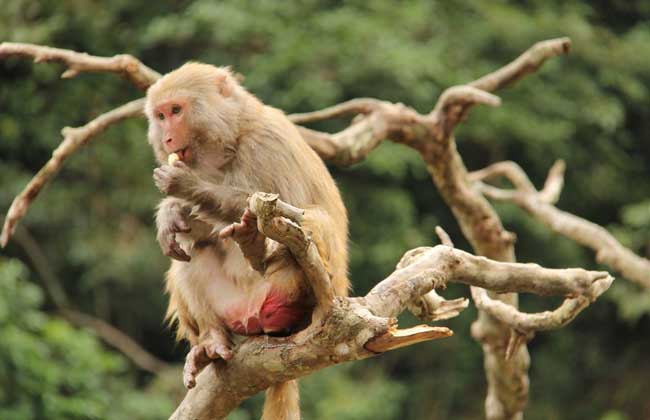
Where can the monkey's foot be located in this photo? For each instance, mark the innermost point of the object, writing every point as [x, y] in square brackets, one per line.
[201, 356]
[250, 240]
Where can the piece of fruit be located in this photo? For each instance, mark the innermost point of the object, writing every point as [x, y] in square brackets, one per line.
[173, 157]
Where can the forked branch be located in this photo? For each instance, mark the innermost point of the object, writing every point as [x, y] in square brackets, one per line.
[432, 136]
[73, 139]
[358, 328]
[125, 65]
[540, 205]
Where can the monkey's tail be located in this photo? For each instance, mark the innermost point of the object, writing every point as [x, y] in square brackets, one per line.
[282, 402]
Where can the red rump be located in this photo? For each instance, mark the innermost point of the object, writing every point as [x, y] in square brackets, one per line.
[276, 316]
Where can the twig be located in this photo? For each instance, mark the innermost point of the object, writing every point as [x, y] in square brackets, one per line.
[73, 139]
[354, 106]
[125, 65]
[527, 63]
[608, 250]
[280, 221]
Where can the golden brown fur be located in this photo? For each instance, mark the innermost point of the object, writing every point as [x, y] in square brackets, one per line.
[237, 146]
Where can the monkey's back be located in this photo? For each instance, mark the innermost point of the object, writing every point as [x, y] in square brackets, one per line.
[273, 157]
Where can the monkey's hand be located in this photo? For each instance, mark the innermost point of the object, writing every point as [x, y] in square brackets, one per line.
[251, 241]
[215, 346]
[175, 180]
[172, 218]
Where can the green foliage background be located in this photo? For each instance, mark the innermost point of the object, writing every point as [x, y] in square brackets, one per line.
[94, 222]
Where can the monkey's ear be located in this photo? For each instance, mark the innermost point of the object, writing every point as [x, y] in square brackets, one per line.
[225, 83]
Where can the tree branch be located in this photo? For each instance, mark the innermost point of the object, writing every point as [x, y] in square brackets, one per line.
[127, 66]
[358, 328]
[73, 139]
[352, 107]
[528, 62]
[432, 136]
[540, 205]
[280, 221]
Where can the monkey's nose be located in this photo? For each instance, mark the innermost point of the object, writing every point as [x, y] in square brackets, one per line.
[169, 140]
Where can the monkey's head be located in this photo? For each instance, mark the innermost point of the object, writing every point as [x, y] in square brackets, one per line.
[194, 111]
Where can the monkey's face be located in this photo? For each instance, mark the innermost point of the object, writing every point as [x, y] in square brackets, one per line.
[174, 130]
[194, 112]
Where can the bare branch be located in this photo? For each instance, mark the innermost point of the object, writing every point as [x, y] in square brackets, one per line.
[507, 169]
[353, 144]
[525, 323]
[396, 338]
[420, 272]
[432, 307]
[608, 250]
[444, 237]
[279, 221]
[125, 65]
[455, 103]
[352, 107]
[357, 328]
[432, 136]
[554, 183]
[527, 63]
[73, 139]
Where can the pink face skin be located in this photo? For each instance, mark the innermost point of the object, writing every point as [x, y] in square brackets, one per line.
[171, 117]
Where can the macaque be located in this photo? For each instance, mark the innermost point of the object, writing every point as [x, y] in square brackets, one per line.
[226, 278]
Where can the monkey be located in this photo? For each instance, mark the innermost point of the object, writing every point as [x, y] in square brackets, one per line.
[226, 279]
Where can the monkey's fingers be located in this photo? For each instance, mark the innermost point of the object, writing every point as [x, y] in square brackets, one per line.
[249, 218]
[180, 164]
[218, 351]
[228, 231]
[196, 360]
[181, 226]
[174, 250]
[240, 232]
[161, 179]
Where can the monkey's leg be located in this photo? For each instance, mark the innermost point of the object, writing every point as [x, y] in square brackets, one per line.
[215, 344]
[251, 241]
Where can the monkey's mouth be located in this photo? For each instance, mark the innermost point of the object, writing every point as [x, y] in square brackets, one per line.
[183, 154]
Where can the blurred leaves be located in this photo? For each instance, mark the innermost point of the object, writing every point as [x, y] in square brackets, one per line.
[50, 370]
[94, 221]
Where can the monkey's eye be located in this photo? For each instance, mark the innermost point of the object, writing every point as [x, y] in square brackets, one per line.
[161, 116]
[176, 109]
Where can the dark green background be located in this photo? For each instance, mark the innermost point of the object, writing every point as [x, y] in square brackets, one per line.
[94, 222]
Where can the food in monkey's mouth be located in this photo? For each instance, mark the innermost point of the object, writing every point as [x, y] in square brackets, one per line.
[180, 154]
[173, 157]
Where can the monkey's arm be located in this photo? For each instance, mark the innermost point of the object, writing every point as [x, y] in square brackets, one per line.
[217, 203]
